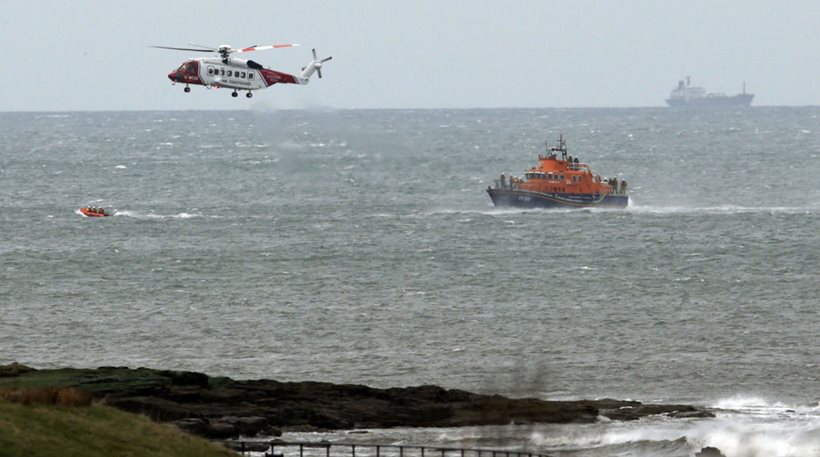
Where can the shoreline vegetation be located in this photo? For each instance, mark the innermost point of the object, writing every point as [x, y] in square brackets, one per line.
[48, 429]
[223, 408]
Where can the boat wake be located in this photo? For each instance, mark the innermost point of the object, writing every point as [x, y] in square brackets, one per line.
[722, 209]
[142, 215]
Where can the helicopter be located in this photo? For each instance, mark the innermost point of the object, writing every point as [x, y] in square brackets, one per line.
[237, 74]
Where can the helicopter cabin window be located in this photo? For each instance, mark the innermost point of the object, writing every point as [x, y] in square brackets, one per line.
[210, 70]
[222, 71]
[250, 75]
[230, 73]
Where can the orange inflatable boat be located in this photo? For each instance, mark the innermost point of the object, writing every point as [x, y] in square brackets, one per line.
[90, 211]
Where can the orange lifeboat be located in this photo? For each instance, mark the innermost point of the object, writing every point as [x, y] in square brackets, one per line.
[559, 181]
[90, 211]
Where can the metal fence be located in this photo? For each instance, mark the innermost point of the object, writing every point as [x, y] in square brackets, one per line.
[279, 448]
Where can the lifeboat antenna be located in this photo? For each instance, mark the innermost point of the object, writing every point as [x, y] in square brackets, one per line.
[562, 146]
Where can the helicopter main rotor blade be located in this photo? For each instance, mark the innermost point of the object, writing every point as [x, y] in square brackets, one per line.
[203, 46]
[262, 48]
[182, 49]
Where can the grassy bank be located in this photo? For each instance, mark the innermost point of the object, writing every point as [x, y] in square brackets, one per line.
[97, 430]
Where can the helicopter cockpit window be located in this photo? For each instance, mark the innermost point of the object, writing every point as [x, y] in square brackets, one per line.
[190, 68]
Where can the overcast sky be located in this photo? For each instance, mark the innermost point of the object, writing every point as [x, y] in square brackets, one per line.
[93, 55]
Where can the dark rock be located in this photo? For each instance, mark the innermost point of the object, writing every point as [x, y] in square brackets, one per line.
[220, 408]
[247, 446]
[186, 378]
[635, 412]
[218, 430]
[710, 452]
[192, 425]
[248, 426]
[699, 414]
[14, 369]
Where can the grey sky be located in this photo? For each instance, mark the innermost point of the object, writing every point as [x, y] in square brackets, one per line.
[93, 55]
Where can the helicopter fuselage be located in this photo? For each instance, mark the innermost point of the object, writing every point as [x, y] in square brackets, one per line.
[231, 73]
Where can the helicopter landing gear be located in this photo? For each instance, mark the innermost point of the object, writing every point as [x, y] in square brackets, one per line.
[234, 94]
[249, 94]
[187, 89]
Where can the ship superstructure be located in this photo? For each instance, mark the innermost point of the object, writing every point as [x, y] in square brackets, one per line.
[688, 95]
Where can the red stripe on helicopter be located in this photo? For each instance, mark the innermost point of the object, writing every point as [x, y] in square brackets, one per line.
[272, 77]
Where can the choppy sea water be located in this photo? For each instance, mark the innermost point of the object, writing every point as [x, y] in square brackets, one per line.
[361, 247]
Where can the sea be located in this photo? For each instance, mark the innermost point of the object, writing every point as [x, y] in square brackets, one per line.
[360, 246]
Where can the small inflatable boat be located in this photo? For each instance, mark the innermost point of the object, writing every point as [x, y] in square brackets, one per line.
[94, 212]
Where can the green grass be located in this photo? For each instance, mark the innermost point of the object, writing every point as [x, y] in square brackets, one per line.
[98, 430]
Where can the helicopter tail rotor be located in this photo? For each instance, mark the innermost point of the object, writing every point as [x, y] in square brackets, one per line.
[314, 66]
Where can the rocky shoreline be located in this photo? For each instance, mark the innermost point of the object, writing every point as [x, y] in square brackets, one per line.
[221, 408]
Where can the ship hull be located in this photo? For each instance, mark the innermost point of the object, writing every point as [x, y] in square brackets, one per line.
[527, 199]
[711, 102]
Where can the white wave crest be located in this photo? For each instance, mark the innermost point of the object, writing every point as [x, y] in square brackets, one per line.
[747, 437]
[751, 426]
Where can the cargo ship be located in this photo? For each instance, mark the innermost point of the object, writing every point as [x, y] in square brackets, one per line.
[559, 181]
[687, 95]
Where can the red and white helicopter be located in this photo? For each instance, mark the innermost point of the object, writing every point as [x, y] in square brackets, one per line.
[237, 74]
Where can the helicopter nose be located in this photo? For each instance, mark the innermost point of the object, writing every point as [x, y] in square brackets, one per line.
[172, 76]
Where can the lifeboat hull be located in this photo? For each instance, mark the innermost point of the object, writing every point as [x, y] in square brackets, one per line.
[88, 213]
[528, 199]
